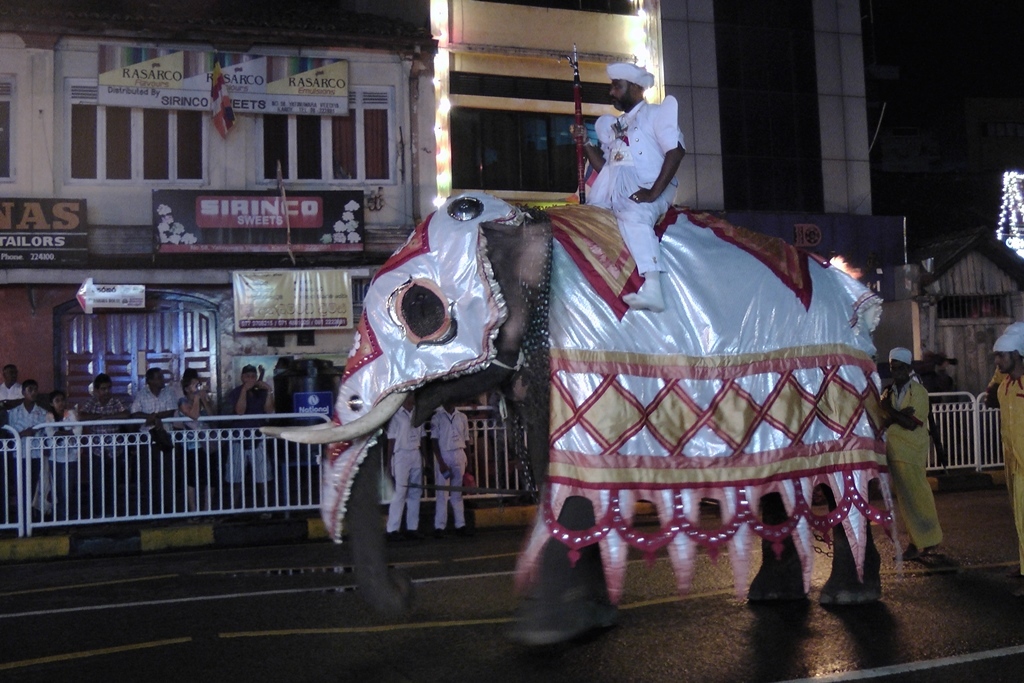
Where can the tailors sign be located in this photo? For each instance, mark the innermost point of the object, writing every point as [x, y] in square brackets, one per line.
[42, 233]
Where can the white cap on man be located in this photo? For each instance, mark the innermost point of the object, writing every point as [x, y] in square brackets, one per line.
[901, 354]
[631, 73]
[1011, 340]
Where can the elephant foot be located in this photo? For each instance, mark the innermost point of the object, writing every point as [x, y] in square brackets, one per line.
[569, 600]
[778, 579]
[390, 595]
[843, 587]
[544, 622]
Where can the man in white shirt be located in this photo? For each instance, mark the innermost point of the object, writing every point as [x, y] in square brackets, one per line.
[449, 432]
[22, 418]
[404, 443]
[641, 161]
[155, 402]
[10, 390]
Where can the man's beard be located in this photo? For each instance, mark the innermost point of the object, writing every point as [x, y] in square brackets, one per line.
[625, 104]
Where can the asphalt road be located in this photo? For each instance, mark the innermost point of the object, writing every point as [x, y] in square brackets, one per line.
[291, 613]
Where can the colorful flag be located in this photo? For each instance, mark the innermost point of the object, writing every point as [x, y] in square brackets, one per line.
[223, 114]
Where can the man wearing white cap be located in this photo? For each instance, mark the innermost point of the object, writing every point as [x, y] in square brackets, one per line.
[905, 409]
[641, 162]
[1008, 349]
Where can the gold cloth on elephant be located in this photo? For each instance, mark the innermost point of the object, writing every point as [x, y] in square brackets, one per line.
[827, 428]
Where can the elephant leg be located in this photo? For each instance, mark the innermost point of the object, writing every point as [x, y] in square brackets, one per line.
[843, 587]
[386, 590]
[567, 601]
[779, 578]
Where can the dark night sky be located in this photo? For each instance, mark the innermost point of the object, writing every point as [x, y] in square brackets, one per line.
[946, 52]
[949, 50]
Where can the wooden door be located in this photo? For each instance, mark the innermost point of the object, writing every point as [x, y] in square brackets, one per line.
[174, 332]
[970, 342]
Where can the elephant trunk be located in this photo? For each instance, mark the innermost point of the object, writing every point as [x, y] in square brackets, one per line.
[386, 590]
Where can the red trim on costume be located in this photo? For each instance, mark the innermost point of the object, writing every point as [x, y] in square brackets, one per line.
[792, 268]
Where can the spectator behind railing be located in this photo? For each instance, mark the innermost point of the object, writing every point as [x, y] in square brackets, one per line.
[64, 467]
[192, 457]
[109, 464]
[153, 403]
[10, 389]
[252, 397]
[22, 418]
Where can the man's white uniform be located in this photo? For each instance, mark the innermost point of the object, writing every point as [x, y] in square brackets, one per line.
[407, 468]
[633, 159]
[451, 431]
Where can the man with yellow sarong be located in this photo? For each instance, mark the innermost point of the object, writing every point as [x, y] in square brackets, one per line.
[1008, 349]
[905, 406]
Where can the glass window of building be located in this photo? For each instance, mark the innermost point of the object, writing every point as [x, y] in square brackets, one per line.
[6, 105]
[355, 148]
[768, 99]
[512, 151]
[111, 144]
[627, 7]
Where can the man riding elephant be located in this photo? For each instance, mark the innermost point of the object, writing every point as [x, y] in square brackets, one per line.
[642, 159]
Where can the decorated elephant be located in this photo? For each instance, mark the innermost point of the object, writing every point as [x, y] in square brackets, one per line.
[755, 386]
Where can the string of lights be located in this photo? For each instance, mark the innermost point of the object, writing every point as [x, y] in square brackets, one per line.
[1011, 215]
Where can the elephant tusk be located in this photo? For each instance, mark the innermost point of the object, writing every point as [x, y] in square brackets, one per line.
[367, 424]
[278, 431]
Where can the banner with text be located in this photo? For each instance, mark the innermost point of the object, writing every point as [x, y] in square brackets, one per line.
[292, 300]
[155, 78]
[191, 221]
[43, 233]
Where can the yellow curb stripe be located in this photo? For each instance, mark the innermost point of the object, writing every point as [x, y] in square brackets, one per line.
[315, 529]
[366, 629]
[34, 548]
[176, 537]
[70, 656]
[78, 586]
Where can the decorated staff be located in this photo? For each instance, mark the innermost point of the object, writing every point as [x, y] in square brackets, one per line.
[577, 97]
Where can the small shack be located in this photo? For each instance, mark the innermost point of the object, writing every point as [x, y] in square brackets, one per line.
[970, 289]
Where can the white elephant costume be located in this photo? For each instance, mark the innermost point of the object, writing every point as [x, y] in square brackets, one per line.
[757, 378]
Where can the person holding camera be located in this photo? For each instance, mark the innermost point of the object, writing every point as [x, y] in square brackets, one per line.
[192, 456]
[252, 397]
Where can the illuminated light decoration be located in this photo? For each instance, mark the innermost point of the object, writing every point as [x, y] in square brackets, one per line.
[442, 141]
[643, 41]
[1011, 215]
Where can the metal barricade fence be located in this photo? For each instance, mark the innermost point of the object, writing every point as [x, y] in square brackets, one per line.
[65, 479]
[60, 478]
[969, 431]
[10, 468]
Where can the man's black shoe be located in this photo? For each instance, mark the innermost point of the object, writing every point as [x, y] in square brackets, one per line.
[414, 536]
[438, 533]
[463, 532]
[395, 537]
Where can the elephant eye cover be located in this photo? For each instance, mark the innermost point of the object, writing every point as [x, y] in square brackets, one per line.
[422, 309]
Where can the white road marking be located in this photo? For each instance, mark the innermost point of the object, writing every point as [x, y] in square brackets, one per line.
[896, 669]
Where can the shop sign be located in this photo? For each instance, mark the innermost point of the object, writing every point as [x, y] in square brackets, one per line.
[313, 402]
[159, 78]
[91, 295]
[43, 233]
[189, 221]
[292, 300]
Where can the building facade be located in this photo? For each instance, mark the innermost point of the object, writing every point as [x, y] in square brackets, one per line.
[351, 122]
[113, 169]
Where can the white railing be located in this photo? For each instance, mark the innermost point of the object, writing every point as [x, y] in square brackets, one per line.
[77, 480]
[968, 429]
[63, 479]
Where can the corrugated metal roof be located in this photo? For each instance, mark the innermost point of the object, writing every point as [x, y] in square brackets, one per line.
[949, 250]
